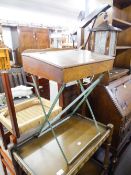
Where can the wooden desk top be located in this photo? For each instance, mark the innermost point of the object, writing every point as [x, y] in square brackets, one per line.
[42, 156]
[66, 65]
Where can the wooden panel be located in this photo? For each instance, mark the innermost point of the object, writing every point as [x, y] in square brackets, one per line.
[26, 38]
[91, 168]
[31, 38]
[122, 3]
[121, 23]
[123, 59]
[110, 105]
[122, 19]
[124, 38]
[117, 73]
[123, 14]
[42, 38]
[119, 92]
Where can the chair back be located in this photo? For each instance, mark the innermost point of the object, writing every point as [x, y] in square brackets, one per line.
[16, 76]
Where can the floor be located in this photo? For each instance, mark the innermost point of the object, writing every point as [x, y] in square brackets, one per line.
[1, 170]
[124, 166]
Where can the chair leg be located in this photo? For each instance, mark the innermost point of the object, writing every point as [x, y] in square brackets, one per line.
[3, 136]
[4, 167]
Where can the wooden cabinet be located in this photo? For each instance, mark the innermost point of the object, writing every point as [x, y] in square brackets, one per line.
[112, 104]
[26, 39]
[122, 19]
[42, 38]
[31, 38]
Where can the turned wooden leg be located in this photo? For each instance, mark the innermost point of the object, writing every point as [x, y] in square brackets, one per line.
[3, 165]
[3, 136]
[114, 162]
[107, 150]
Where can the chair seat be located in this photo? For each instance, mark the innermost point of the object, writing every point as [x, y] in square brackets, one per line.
[29, 115]
[117, 73]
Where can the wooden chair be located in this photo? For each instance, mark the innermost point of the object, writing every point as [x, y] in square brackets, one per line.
[17, 77]
[27, 115]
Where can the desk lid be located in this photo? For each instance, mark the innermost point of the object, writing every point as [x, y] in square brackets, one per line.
[66, 65]
[68, 58]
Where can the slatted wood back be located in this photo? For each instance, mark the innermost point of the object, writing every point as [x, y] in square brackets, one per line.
[104, 42]
[16, 76]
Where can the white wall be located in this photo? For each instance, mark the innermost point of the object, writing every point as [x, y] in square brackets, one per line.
[7, 37]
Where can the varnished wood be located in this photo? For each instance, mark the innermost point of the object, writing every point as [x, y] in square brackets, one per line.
[123, 59]
[66, 66]
[6, 162]
[123, 14]
[124, 38]
[31, 38]
[102, 101]
[91, 167]
[123, 47]
[41, 38]
[70, 133]
[117, 73]
[112, 104]
[10, 103]
[121, 23]
[122, 18]
[122, 3]
[4, 59]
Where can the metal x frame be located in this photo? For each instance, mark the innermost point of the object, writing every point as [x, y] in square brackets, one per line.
[50, 125]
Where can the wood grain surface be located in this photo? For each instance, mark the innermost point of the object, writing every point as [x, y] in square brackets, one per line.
[42, 156]
[65, 66]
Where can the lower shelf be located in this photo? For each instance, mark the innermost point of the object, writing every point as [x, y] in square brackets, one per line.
[42, 155]
[91, 168]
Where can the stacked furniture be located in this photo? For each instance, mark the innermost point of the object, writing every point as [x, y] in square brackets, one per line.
[76, 135]
[76, 138]
[111, 101]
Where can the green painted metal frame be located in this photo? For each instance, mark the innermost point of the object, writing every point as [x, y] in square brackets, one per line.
[50, 125]
[89, 106]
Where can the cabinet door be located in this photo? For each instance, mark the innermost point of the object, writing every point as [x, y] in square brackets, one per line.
[42, 38]
[26, 38]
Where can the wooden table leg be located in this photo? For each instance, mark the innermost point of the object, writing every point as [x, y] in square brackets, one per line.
[107, 151]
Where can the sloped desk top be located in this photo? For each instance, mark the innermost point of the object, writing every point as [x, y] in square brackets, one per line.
[42, 155]
[66, 65]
